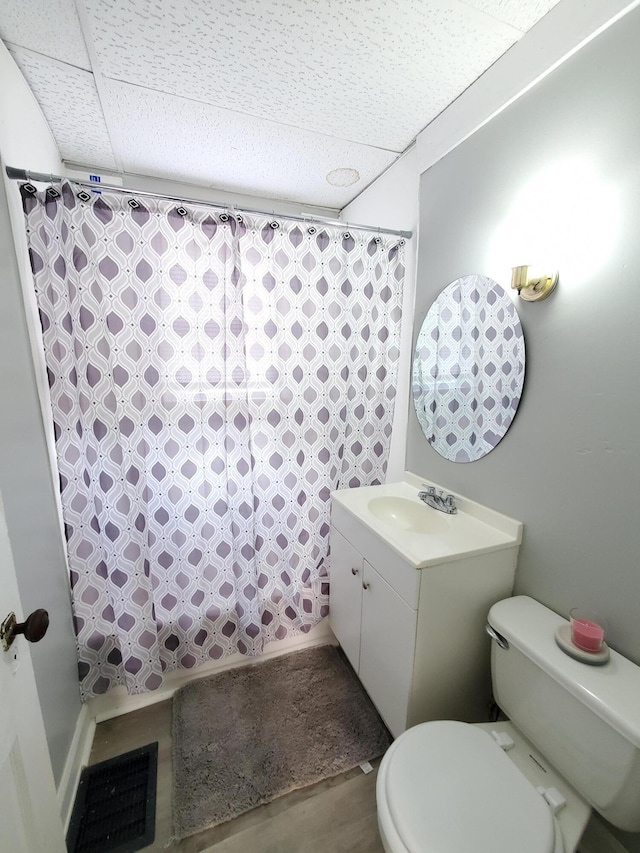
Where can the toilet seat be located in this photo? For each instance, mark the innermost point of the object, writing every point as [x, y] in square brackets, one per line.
[447, 787]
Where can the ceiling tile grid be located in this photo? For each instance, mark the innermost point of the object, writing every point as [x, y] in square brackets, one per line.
[354, 69]
[259, 96]
[233, 151]
[522, 14]
[70, 103]
[49, 27]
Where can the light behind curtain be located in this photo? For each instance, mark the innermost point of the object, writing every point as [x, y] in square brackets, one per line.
[213, 376]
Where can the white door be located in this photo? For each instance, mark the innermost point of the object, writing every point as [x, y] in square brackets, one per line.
[387, 648]
[29, 817]
[345, 596]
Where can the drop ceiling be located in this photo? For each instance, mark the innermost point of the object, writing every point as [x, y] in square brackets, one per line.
[263, 97]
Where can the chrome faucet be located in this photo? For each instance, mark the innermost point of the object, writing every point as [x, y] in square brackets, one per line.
[438, 500]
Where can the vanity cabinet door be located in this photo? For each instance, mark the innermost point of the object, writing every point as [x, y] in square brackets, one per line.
[345, 596]
[387, 649]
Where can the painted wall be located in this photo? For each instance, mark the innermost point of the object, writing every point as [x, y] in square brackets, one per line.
[555, 179]
[392, 202]
[563, 30]
[25, 472]
[392, 199]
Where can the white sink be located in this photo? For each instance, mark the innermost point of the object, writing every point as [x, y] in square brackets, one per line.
[421, 535]
[404, 514]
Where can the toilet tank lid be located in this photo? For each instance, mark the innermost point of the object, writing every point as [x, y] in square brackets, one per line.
[611, 691]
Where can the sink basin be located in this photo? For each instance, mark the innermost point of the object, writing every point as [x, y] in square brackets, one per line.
[404, 514]
[391, 514]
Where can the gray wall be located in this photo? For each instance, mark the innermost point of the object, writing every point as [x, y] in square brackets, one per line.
[27, 489]
[569, 467]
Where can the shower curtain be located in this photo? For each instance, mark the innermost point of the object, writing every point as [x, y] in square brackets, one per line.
[213, 376]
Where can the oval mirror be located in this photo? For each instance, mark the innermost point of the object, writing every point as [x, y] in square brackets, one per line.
[468, 368]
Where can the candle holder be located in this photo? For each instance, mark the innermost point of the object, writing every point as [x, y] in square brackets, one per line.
[582, 637]
[587, 629]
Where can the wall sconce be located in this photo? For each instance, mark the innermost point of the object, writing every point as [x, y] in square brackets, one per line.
[532, 288]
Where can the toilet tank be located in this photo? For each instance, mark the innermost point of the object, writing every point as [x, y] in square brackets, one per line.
[584, 719]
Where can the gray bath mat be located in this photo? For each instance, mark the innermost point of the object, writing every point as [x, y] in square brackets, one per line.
[248, 735]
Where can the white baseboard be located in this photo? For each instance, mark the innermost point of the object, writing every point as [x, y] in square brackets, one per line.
[598, 839]
[117, 701]
[77, 758]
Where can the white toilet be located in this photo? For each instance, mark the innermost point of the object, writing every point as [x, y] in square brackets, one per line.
[526, 786]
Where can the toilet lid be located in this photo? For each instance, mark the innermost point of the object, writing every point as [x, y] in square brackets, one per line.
[451, 789]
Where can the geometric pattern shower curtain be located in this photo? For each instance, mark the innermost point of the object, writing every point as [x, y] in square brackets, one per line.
[213, 376]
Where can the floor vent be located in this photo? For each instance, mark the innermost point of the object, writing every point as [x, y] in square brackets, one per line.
[115, 806]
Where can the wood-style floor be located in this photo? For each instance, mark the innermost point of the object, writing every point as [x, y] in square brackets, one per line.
[337, 815]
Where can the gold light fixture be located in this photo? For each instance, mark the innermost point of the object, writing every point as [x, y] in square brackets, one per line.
[532, 287]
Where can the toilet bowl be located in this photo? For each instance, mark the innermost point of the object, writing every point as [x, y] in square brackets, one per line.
[526, 785]
[449, 787]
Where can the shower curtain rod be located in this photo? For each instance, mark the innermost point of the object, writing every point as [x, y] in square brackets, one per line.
[24, 175]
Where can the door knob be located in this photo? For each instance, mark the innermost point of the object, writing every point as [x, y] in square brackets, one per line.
[34, 628]
[365, 585]
[354, 571]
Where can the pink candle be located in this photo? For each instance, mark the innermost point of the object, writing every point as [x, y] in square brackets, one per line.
[587, 635]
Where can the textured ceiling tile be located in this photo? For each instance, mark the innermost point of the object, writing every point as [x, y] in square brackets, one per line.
[69, 101]
[50, 27]
[172, 137]
[364, 70]
[522, 14]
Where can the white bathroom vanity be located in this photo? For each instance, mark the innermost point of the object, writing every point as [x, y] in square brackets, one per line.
[410, 591]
